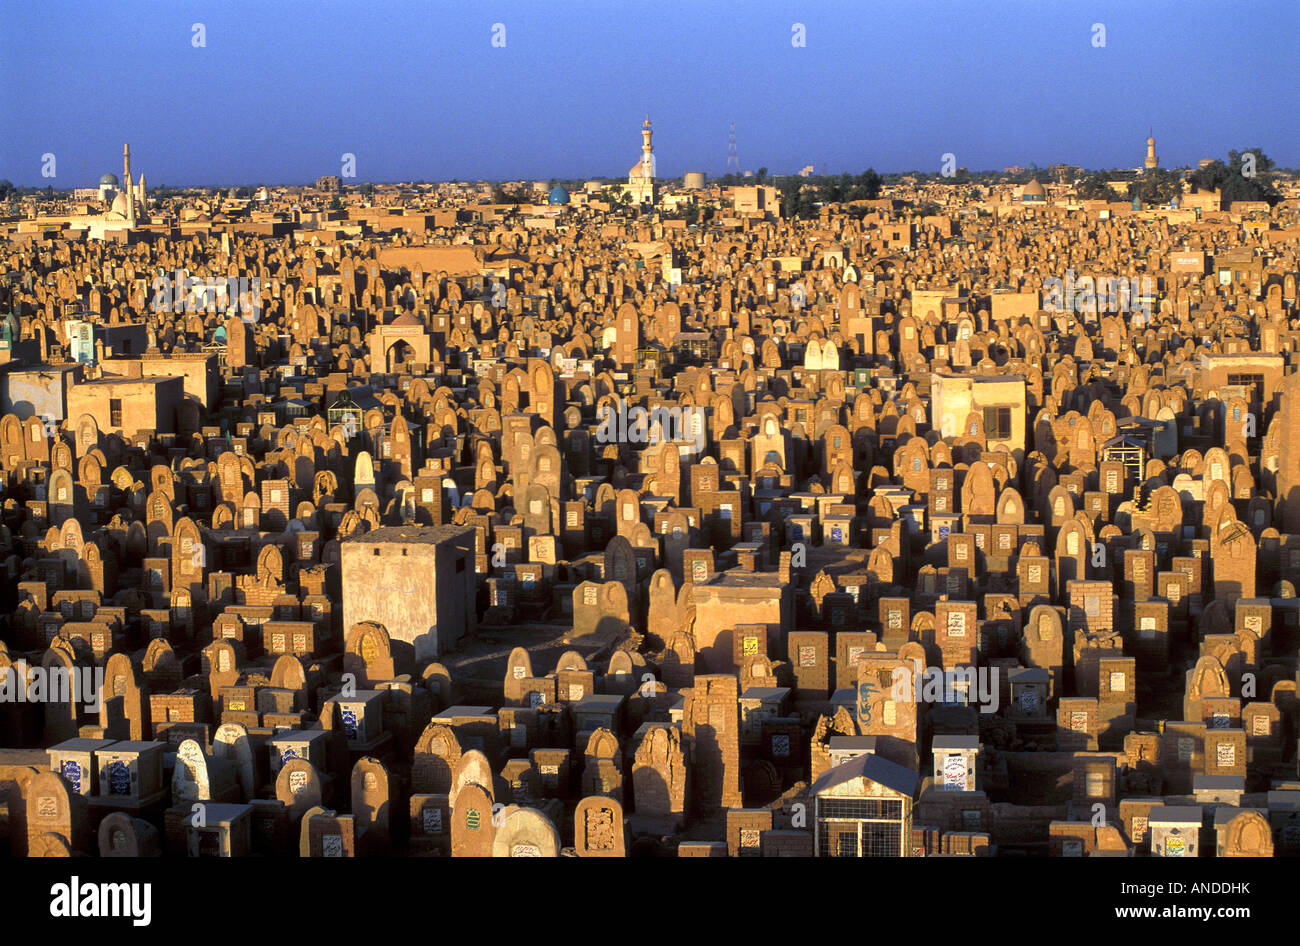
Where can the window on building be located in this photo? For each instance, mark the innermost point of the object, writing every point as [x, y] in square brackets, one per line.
[1253, 381]
[997, 423]
[115, 412]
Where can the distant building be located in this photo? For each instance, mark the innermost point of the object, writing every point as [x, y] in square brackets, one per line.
[641, 176]
[107, 187]
[128, 204]
[755, 200]
[1033, 193]
[129, 201]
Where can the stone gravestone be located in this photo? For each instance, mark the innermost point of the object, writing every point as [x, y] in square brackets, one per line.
[371, 809]
[659, 776]
[602, 773]
[525, 832]
[298, 786]
[437, 755]
[326, 834]
[473, 830]
[191, 775]
[598, 828]
[519, 668]
[368, 654]
[711, 719]
[231, 743]
[1246, 834]
[52, 809]
[472, 769]
[120, 835]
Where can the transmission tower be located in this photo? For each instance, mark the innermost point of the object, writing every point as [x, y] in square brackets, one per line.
[733, 160]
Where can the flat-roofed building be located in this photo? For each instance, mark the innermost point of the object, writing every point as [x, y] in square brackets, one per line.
[417, 581]
[998, 400]
[128, 405]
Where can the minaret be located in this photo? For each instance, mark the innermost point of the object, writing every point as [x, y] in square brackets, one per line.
[126, 184]
[1152, 161]
[647, 150]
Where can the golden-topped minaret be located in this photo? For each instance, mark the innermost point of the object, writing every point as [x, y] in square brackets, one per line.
[1152, 161]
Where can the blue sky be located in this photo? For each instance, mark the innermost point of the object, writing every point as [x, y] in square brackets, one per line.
[416, 90]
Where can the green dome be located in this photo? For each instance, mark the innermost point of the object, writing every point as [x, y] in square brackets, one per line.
[109, 180]
[558, 195]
